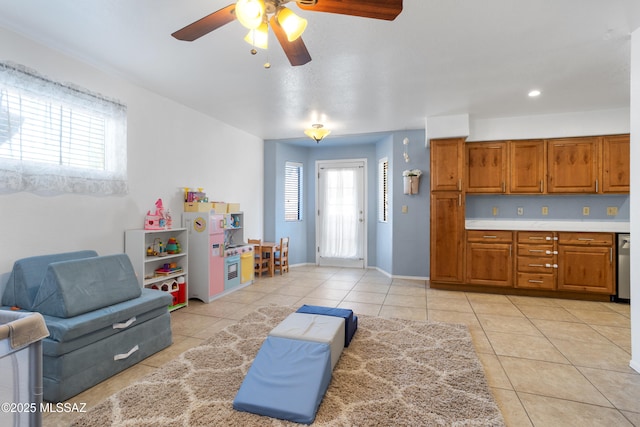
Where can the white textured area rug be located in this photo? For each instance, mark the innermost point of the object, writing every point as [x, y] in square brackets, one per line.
[394, 373]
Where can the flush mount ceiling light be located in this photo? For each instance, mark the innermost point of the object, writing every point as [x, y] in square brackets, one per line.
[259, 15]
[534, 93]
[317, 132]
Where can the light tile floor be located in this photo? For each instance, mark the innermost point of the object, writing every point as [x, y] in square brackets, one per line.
[549, 362]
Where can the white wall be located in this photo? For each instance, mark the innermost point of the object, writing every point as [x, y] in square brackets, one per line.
[634, 200]
[169, 146]
[585, 123]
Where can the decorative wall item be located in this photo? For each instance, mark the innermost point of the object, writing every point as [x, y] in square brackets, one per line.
[405, 142]
[411, 180]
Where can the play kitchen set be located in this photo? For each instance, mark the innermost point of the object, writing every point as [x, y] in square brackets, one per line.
[220, 261]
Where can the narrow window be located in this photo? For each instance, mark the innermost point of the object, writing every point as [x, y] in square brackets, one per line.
[383, 190]
[293, 191]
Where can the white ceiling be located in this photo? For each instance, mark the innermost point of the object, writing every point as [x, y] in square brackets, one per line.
[439, 57]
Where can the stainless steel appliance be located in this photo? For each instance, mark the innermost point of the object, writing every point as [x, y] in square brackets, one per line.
[624, 263]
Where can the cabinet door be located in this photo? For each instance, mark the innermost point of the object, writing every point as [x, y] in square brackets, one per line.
[527, 167]
[447, 236]
[447, 164]
[585, 269]
[572, 165]
[616, 167]
[489, 264]
[486, 166]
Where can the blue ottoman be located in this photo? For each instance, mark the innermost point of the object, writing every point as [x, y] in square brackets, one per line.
[350, 321]
[316, 328]
[287, 380]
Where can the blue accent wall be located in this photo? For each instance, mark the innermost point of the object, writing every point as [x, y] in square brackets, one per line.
[401, 245]
[384, 230]
[275, 227]
[561, 207]
[411, 235]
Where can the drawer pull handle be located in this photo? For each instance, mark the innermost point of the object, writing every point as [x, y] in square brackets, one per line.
[535, 281]
[585, 239]
[125, 324]
[537, 250]
[536, 238]
[490, 237]
[552, 252]
[536, 265]
[127, 354]
[551, 265]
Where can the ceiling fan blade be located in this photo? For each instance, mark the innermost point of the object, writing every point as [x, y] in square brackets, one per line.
[296, 50]
[377, 9]
[207, 24]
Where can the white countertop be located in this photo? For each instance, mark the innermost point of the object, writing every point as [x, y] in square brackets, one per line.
[537, 225]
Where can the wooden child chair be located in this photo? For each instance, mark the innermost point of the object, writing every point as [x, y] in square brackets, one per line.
[281, 258]
[260, 264]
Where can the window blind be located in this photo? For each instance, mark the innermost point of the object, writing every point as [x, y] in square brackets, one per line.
[59, 138]
[293, 191]
[383, 193]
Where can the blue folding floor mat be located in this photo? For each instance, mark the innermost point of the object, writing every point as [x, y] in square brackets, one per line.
[287, 380]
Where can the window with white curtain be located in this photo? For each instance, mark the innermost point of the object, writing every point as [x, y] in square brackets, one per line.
[293, 191]
[383, 189]
[56, 138]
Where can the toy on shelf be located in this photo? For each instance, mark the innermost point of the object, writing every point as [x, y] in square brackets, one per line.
[159, 220]
[195, 196]
[173, 247]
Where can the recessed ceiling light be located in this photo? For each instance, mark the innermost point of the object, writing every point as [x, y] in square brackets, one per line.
[534, 93]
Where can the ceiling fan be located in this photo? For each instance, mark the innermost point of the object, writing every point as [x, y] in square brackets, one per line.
[258, 15]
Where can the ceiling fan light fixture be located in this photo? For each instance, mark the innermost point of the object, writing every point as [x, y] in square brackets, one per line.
[259, 37]
[317, 132]
[250, 13]
[292, 24]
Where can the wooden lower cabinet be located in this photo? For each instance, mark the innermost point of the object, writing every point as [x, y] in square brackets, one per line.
[586, 262]
[536, 260]
[489, 258]
[447, 237]
[544, 263]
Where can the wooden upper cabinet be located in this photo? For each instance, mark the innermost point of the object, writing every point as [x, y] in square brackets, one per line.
[527, 171]
[486, 166]
[447, 158]
[616, 165]
[572, 165]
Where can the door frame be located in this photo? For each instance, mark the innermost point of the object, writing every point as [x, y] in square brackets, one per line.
[365, 212]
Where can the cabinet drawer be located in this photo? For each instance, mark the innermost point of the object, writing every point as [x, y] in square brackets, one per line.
[489, 236]
[586, 239]
[536, 250]
[536, 237]
[535, 264]
[535, 281]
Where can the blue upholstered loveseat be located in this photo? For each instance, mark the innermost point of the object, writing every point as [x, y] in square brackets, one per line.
[100, 320]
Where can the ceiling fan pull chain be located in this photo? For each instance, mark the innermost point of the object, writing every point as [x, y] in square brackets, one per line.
[267, 64]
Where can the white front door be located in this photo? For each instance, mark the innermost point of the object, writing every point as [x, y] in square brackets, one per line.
[341, 218]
